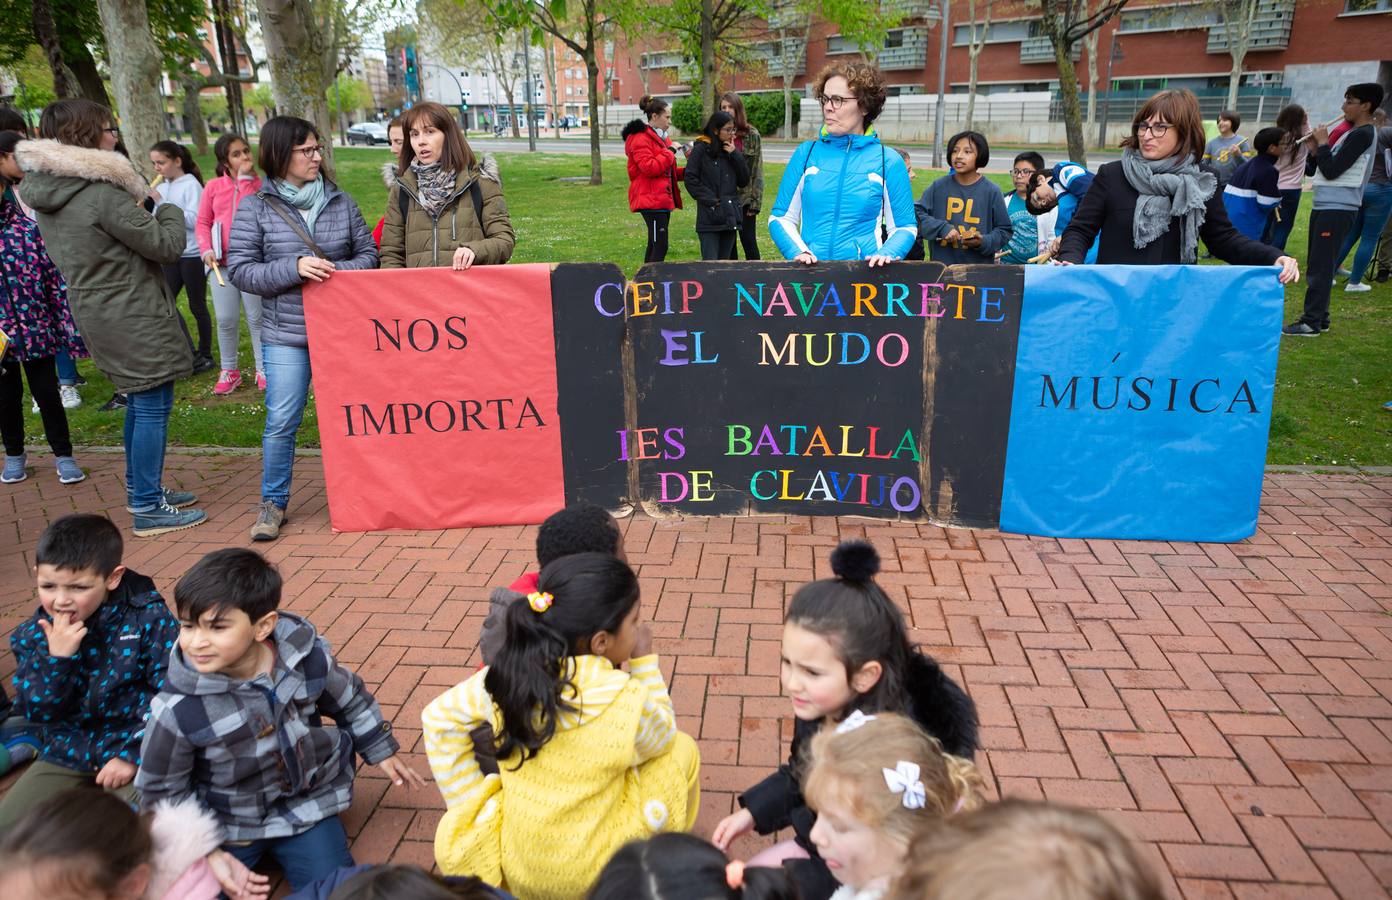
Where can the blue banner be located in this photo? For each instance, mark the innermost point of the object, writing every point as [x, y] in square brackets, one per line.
[1142, 402]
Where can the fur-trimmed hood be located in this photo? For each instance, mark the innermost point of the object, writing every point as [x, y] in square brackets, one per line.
[637, 126]
[389, 174]
[56, 172]
[182, 833]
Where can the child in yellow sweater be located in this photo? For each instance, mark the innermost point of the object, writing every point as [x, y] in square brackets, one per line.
[589, 755]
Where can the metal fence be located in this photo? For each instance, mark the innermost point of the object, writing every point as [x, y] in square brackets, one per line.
[1253, 104]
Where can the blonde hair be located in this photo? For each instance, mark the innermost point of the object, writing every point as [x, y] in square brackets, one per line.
[1023, 850]
[849, 767]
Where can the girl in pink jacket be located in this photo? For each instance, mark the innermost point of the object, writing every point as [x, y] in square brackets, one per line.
[236, 179]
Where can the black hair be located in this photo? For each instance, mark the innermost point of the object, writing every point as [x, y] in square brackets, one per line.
[1033, 208]
[79, 542]
[718, 120]
[78, 842]
[590, 593]
[1232, 116]
[579, 528]
[11, 120]
[231, 578]
[223, 147]
[1267, 138]
[1032, 158]
[1291, 118]
[1369, 92]
[676, 866]
[279, 138]
[983, 148]
[652, 106]
[860, 622]
[182, 154]
[385, 882]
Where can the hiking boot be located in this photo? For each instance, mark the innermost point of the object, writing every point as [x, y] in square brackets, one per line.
[14, 469]
[69, 472]
[69, 395]
[1300, 329]
[176, 499]
[268, 521]
[164, 518]
[228, 381]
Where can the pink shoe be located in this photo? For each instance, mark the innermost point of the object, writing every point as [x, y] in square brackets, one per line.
[228, 381]
[261, 380]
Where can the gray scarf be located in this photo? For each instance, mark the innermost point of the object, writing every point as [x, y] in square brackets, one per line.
[1169, 187]
[434, 185]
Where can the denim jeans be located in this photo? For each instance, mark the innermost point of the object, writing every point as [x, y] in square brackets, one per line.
[67, 369]
[1277, 233]
[305, 857]
[287, 388]
[1367, 225]
[145, 435]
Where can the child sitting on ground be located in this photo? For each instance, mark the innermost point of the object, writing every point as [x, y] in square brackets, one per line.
[1022, 850]
[845, 647]
[87, 664]
[86, 844]
[962, 217]
[238, 722]
[589, 756]
[682, 865]
[875, 781]
[388, 882]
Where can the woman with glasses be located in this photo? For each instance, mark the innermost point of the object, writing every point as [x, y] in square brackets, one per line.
[1155, 204]
[88, 201]
[715, 172]
[839, 188]
[298, 228]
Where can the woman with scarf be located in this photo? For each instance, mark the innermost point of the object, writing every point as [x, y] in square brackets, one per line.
[447, 207]
[1153, 206]
[298, 228]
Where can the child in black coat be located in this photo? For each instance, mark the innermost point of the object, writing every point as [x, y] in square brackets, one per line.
[715, 171]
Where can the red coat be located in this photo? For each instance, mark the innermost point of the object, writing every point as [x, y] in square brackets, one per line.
[653, 173]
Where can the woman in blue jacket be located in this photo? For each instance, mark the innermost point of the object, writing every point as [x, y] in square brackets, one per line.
[838, 189]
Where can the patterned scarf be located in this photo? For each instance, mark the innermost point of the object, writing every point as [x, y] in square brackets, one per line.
[434, 185]
[1169, 187]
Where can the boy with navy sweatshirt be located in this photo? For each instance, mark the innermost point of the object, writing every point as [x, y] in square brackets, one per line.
[1254, 191]
[1341, 172]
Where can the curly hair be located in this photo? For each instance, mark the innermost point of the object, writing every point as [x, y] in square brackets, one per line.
[579, 528]
[865, 81]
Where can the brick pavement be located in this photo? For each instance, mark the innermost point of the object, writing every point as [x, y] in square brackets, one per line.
[1229, 705]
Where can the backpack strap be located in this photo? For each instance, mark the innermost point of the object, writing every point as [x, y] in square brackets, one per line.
[297, 225]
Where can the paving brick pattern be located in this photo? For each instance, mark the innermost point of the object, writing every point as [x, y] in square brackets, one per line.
[1229, 705]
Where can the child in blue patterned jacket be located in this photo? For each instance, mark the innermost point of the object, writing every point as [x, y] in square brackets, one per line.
[87, 664]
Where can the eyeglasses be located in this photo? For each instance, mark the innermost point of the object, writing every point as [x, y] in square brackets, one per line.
[114, 132]
[833, 101]
[1020, 173]
[1156, 129]
[310, 152]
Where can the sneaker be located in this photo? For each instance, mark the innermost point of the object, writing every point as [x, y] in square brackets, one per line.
[176, 499]
[1357, 287]
[35, 407]
[117, 401]
[1300, 329]
[228, 381]
[1324, 328]
[69, 472]
[261, 380]
[268, 522]
[1342, 272]
[69, 395]
[14, 469]
[165, 518]
[202, 364]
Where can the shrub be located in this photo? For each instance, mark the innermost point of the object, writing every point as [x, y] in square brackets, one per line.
[765, 111]
[686, 115]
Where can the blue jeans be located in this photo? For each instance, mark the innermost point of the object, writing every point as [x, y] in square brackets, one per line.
[67, 369]
[287, 388]
[144, 437]
[1367, 225]
[305, 857]
[1277, 233]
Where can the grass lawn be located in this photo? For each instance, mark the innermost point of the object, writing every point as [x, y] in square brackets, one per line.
[1329, 392]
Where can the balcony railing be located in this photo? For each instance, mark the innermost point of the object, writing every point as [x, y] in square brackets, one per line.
[1040, 50]
[1271, 28]
[661, 59]
[927, 10]
[912, 52]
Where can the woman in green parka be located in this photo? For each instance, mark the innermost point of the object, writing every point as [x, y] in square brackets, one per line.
[447, 207]
[751, 196]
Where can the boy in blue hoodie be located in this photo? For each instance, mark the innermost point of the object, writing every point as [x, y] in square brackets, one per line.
[87, 664]
[1253, 193]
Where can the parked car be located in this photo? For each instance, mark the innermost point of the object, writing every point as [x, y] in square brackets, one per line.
[368, 133]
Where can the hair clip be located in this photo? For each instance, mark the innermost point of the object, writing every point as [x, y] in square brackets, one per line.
[734, 875]
[540, 601]
[903, 779]
[853, 721]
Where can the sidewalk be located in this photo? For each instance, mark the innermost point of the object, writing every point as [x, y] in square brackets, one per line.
[1229, 705]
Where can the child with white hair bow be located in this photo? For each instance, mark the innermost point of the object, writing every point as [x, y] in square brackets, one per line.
[874, 781]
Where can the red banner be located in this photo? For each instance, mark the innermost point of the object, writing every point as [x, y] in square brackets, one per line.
[437, 398]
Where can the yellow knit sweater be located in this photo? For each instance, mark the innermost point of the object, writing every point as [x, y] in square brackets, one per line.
[616, 770]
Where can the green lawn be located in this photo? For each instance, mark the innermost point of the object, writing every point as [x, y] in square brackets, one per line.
[1329, 394]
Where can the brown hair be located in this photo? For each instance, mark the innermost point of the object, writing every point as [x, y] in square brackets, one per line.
[849, 767]
[1181, 109]
[76, 122]
[457, 155]
[279, 138]
[652, 106]
[984, 854]
[865, 81]
[736, 104]
[81, 841]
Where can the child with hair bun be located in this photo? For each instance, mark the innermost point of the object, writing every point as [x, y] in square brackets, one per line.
[589, 756]
[845, 647]
[1024, 850]
[684, 867]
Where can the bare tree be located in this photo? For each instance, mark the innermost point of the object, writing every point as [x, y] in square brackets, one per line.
[978, 41]
[1066, 22]
[470, 29]
[1090, 47]
[1236, 18]
[136, 64]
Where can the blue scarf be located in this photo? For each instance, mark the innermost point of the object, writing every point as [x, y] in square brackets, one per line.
[312, 197]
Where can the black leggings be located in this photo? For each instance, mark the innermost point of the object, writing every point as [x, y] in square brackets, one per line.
[749, 235]
[656, 221]
[188, 274]
[717, 244]
[43, 384]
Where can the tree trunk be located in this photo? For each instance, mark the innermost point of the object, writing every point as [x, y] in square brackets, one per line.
[787, 88]
[198, 128]
[135, 68]
[1068, 93]
[592, 86]
[227, 51]
[46, 33]
[550, 72]
[708, 77]
[295, 48]
[1092, 40]
[1237, 16]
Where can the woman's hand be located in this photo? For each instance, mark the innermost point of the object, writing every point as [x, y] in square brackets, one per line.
[731, 827]
[210, 259]
[1290, 270]
[805, 257]
[463, 259]
[312, 268]
[235, 879]
[879, 259]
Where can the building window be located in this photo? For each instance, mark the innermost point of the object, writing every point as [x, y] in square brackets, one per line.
[998, 33]
[1358, 6]
[1181, 17]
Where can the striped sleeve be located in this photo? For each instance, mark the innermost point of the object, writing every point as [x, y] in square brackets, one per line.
[447, 722]
[785, 220]
[658, 725]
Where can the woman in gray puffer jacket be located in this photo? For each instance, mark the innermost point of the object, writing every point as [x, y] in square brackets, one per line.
[268, 255]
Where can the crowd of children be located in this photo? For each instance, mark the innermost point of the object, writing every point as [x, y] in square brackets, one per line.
[177, 749]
